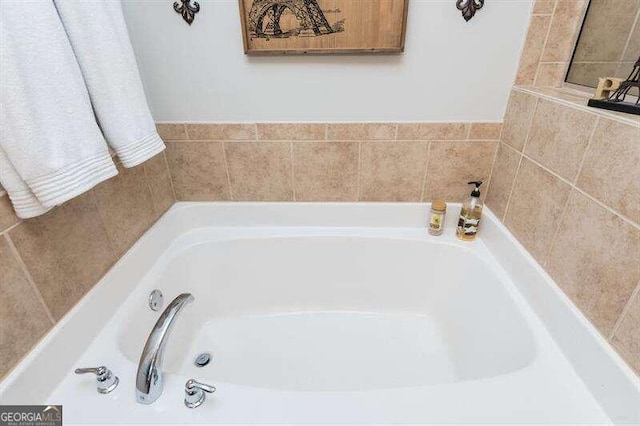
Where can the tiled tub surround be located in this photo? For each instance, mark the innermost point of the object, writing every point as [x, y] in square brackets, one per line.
[550, 40]
[49, 263]
[566, 183]
[405, 162]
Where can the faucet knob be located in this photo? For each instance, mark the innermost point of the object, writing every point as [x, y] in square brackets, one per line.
[105, 379]
[194, 393]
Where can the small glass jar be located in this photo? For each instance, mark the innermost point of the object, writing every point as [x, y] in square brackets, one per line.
[436, 220]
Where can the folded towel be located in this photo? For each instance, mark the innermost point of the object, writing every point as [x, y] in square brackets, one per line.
[99, 37]
[24, 202]
[52, 146]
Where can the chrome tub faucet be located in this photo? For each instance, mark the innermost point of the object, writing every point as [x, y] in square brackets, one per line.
[149, 377]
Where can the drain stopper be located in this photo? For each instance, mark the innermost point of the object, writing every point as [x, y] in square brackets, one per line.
[202, 359]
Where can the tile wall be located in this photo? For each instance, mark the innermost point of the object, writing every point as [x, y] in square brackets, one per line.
[553, 31]
[328, 162]
[566, 183]
[48, 263]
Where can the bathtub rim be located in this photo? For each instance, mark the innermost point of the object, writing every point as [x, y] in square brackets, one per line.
[609, 379]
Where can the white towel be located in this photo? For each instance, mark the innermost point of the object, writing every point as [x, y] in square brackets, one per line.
[24, 202]
[52, 147]
[100, 40]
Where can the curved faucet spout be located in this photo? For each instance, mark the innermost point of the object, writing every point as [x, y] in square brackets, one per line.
[149, 378]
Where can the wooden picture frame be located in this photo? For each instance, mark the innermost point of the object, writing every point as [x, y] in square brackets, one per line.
[285, 27]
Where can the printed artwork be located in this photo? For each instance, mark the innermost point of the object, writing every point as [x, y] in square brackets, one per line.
[323, 26]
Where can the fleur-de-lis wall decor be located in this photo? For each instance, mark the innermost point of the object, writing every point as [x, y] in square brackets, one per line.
[469, 7]
[187, 11]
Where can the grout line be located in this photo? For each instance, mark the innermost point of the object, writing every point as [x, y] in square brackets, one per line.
[530, 125]
[226, 169]
[536, 91]
[255, 126]
[625, 310]
[586, 150]
[147, 181]
[30, 280]
[552, 243]
[15, 225]
[490, 177]
[173, 188]
[359, 170]
[186, 131]
[513, 186]
[326, 131]
[116, 255]
[395, 136]
[515, 176]
[293, 175]
[544, 44]
[426, 170]
[469, 131]
[600, 203]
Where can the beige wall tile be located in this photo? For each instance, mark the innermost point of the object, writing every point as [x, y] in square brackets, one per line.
[66, 251]
[453, 164]
[326, 171]
[126, 206]
[7, 215]
[559, 136]
[392, 171]
[485, 131]
[159, 180]
[532, 50]
[627, 337]
[610, 172]
[433, 131]
[565, 24]
[543, 7]
[226, 131]
[595, 260]
[361, 131]
[198, 171]
[517, 119]
[502, 177]
[291, 131]
[171, 131]
[550, 74]
[535, 208]
[260, 171]
[23, 318]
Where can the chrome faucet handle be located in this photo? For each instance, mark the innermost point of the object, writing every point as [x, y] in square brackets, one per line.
[105, 379]
[194, 393]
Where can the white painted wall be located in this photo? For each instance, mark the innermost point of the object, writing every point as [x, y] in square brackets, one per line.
[450, 71]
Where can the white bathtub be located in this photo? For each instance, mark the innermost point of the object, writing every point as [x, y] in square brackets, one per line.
[332, 313]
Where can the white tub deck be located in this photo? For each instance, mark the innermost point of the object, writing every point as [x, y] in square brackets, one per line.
[333, 313]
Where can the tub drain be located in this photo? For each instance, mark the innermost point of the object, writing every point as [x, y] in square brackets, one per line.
[202, 359]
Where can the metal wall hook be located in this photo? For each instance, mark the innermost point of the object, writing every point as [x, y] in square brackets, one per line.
[187, 11]
[469, 7]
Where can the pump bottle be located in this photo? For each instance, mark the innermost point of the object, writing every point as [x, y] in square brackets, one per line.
[470, 214]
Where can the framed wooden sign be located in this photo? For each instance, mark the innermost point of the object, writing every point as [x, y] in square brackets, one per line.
[323, 26]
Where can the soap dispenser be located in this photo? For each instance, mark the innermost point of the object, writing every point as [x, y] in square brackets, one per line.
[470, 215]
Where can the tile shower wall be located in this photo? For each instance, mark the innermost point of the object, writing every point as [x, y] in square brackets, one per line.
[328, 162]
[566, 183]
[552, 34]
[48, 263]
